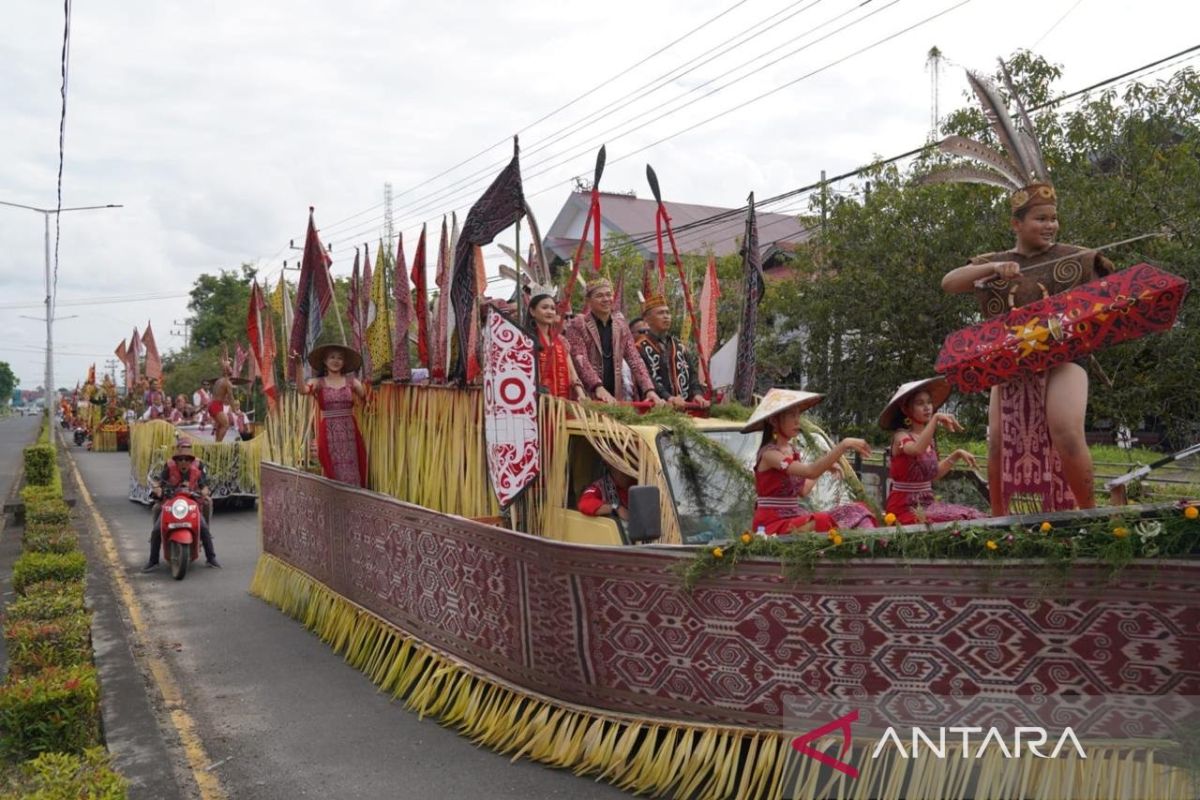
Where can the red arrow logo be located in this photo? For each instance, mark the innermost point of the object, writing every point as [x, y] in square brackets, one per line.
[801, 743]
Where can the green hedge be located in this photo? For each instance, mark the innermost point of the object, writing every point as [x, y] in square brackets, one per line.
[48, 511]
[35, 645]
[33, 494]
[62, 776]
[56, 710]
[33, 568]
[39, 465]
[47, 600]
[51, 539]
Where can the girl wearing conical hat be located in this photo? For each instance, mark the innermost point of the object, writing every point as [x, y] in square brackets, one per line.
[782, 476]
[913, 417]
[340, 446]
[1038, 459]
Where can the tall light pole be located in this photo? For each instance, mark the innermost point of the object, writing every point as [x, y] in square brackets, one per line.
[46, 212]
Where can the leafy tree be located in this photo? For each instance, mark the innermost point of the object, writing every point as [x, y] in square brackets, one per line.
[218, 305]
[8, 381]
[865, 310]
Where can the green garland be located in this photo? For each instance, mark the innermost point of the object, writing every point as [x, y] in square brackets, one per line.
[1115, 541]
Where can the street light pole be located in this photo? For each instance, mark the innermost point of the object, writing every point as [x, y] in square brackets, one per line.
[46, 212]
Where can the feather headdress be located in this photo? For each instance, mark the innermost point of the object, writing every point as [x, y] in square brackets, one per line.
[1020, 169]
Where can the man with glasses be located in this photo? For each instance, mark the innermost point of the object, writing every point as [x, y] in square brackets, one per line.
[183, 469]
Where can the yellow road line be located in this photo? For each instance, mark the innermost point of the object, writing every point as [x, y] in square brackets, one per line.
[160, 671]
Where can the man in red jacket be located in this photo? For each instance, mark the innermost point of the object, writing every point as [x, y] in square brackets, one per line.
[607, 496]
[184, 469]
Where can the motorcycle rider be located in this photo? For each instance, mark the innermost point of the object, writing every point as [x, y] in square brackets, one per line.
[184, 469]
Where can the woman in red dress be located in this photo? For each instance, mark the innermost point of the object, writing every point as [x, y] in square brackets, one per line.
[556, 371]
[913, 415]
[782, 476]
[340, 447]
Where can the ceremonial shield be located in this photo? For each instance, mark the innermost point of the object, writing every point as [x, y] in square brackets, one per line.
[1126, 305]
[510, 404]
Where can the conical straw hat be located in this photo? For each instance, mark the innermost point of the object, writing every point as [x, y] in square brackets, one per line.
[777, 400]
[351, 360]
[938, 390]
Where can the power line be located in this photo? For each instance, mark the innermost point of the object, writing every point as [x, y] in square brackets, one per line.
[637, 124]
[725, 215]
[95, 301]
[552, 113]
[629, 98]
[1057, 22]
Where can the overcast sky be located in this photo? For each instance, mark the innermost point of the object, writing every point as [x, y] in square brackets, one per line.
[217, 123]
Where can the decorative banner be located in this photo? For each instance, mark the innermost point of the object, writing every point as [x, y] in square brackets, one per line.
[510, 403]
[753, 290]
[1129, 304]
[313, 296]
[153, 360]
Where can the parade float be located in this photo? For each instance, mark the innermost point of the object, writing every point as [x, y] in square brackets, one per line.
[231, 466]
[679, 654]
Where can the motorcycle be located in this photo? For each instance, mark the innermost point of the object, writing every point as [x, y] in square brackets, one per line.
[180, 529]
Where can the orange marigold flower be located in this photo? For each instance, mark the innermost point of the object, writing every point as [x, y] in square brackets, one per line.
[1191, 512]
[991, 545]
[1047, 527]
[836, 538]
[1120, 533]
[889, 518]
[718, 552]
[746, 538]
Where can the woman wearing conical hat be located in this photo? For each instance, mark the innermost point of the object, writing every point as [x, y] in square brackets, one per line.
[340, 446]
[782, 476]
[1038, 459]
[913, 418]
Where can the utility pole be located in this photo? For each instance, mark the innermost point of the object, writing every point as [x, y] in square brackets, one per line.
[389, 221]
[46, 212]
[110, 368]
[186, 333]
[933, 63]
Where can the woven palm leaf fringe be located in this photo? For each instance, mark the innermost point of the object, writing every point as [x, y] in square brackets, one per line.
[664, 758]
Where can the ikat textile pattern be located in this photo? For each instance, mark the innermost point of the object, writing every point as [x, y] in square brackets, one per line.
[1126, 305]
[613, 629]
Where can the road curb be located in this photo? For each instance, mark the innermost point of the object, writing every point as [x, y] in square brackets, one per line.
[135, 678]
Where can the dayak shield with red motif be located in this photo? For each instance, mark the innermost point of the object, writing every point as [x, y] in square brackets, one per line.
[510, 404]
[1126, 305]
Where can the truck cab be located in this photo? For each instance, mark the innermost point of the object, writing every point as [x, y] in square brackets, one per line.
[706, 487]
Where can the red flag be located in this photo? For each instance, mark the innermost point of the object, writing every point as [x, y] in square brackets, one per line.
[313, 295]
[153, 362]
[123, 357]
[401, 369]
[135, 353]
[261, 334]
[421, 302]
[441, 318]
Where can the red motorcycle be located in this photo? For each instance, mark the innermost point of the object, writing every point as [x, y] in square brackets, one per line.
[180, 529]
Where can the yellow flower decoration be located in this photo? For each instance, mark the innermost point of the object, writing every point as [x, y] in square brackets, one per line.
[889, 518]
[746, 538]
[718, 552]
[1047, 527]
[991, 545]
[1191, 512]
[836, 538]
[1120, 533]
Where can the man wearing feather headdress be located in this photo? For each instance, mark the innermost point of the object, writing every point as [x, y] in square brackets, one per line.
[1038, 459]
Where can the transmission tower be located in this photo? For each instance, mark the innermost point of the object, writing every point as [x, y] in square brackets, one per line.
[933, 63]
[388, 219]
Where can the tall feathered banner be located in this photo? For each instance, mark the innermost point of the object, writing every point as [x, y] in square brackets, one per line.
[755, 287]
[591, 224]
[135, 354]
[313, 295]
[662, 220]
[261, 334]
[440, 346]
[502, 205]
[379, 321]
[153, 360]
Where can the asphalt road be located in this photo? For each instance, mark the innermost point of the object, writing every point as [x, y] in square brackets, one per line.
[279, 715]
